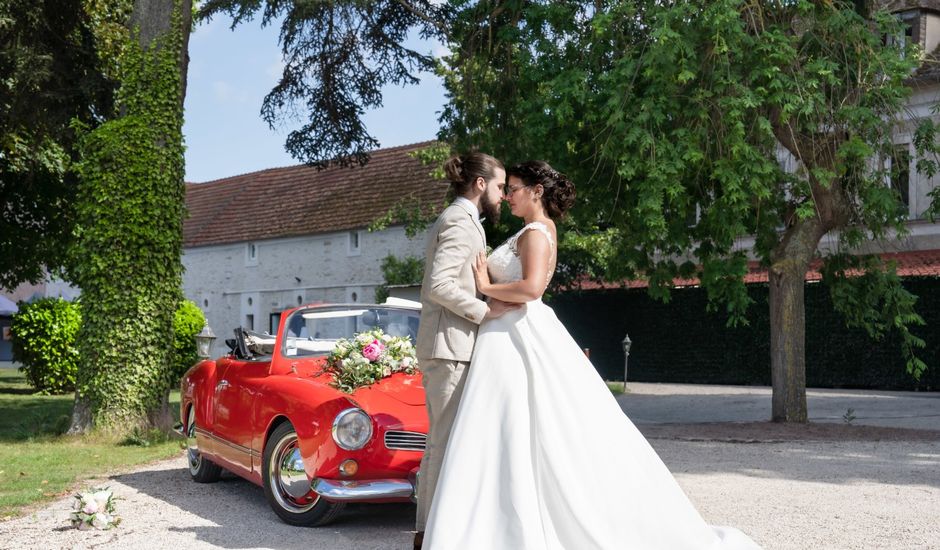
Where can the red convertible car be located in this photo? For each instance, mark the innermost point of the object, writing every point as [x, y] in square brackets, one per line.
[268, 413]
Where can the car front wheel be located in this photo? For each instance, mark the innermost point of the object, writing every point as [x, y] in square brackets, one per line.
[201, 468]
[286, 484]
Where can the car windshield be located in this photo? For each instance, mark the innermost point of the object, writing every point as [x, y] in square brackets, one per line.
[315, 330]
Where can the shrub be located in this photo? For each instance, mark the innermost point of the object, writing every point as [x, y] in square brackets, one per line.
[44, 343]
[44, 334]
[405, 271]
[187, 324]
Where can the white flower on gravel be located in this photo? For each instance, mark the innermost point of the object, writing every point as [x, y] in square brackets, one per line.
[102, 498]
[101, 520]
[94, 509]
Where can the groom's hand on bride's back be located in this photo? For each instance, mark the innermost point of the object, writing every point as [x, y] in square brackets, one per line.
[498, 307]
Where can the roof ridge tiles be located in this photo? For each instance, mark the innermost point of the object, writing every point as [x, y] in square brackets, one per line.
[243, 208]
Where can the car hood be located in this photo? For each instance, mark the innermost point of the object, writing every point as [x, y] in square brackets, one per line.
[404, 388]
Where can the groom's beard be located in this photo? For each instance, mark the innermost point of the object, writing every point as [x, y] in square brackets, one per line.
[490, 211]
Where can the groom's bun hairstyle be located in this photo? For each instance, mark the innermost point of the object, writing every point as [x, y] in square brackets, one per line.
[463, 170]
[558, 194]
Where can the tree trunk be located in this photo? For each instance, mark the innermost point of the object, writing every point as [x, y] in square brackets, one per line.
[127, 341]
[81, 415]
[788, 342]
[790, 262]
[161, 418]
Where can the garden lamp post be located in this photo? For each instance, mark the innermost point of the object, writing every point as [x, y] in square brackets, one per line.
[204, 341]
[626, 358]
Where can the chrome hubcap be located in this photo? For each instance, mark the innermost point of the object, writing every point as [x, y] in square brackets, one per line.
[287, 477]
[195, 459]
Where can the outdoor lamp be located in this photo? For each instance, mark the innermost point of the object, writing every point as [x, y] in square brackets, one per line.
[626, 355]
[204, 341]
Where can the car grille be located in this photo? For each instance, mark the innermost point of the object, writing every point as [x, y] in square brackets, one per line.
[405, 441]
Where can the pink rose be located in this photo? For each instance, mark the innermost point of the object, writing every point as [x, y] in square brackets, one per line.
[373, 350]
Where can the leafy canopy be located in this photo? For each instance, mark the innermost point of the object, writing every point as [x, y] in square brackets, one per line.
[689, 125]
[49, 75]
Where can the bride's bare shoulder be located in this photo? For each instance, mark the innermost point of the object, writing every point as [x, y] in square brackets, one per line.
[545, 227]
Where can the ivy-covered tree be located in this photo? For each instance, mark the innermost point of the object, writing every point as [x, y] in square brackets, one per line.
[129, 218]
[692, 124]
[50, 75]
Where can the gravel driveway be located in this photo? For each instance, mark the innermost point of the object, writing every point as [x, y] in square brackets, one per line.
[862, 493]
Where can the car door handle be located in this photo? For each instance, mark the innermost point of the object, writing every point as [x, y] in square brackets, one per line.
[222, 385]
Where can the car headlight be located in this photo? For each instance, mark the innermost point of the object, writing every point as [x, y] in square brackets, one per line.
[352, 429]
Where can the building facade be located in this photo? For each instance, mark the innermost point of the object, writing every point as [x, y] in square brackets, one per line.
[260, 243]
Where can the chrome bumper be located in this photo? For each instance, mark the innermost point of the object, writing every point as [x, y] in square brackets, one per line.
[370, 489]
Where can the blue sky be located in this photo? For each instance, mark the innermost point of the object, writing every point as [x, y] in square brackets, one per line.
[230, 72]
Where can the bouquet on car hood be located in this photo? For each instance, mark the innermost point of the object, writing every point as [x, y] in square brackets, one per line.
[369, 357]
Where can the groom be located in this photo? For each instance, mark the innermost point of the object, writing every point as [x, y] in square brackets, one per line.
[451, 308]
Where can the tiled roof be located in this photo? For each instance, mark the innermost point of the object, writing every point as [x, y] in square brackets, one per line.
[920, 263]
[299, 200]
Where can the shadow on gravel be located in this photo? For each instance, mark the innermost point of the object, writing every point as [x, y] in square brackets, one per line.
[237, 515]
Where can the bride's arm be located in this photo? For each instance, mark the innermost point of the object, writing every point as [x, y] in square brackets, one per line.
[535, 253]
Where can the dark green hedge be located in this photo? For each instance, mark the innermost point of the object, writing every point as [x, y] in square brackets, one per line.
[681, 342]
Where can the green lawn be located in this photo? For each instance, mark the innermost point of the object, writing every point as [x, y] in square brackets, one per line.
[39, 463]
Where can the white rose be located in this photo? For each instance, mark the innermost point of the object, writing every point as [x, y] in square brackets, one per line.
[406, 362]
[102, 497]
[101, 520]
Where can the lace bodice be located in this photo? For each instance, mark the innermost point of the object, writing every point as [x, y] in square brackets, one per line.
[504, 263]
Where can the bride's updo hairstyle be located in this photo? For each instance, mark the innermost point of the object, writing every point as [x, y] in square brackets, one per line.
[558, 194]
[463, 170]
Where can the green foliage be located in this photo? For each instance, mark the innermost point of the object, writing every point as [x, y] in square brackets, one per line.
[129, 237]
[44, 344]
[405, 271]
[188, 322]
[51, 75]
[687, 125]
[871, 297]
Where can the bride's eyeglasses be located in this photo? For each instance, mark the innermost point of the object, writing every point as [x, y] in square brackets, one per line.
[508, 190]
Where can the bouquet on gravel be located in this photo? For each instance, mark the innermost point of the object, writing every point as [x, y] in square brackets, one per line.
[94, 510]
[369, 357]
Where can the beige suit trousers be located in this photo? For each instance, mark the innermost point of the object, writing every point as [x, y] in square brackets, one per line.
[443, 381]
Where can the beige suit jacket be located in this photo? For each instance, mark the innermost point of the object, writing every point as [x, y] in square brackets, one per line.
[451, 308]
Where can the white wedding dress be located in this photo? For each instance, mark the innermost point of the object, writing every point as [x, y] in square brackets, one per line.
[542, 457]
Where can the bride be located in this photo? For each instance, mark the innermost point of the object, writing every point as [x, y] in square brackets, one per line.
[541, 455]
